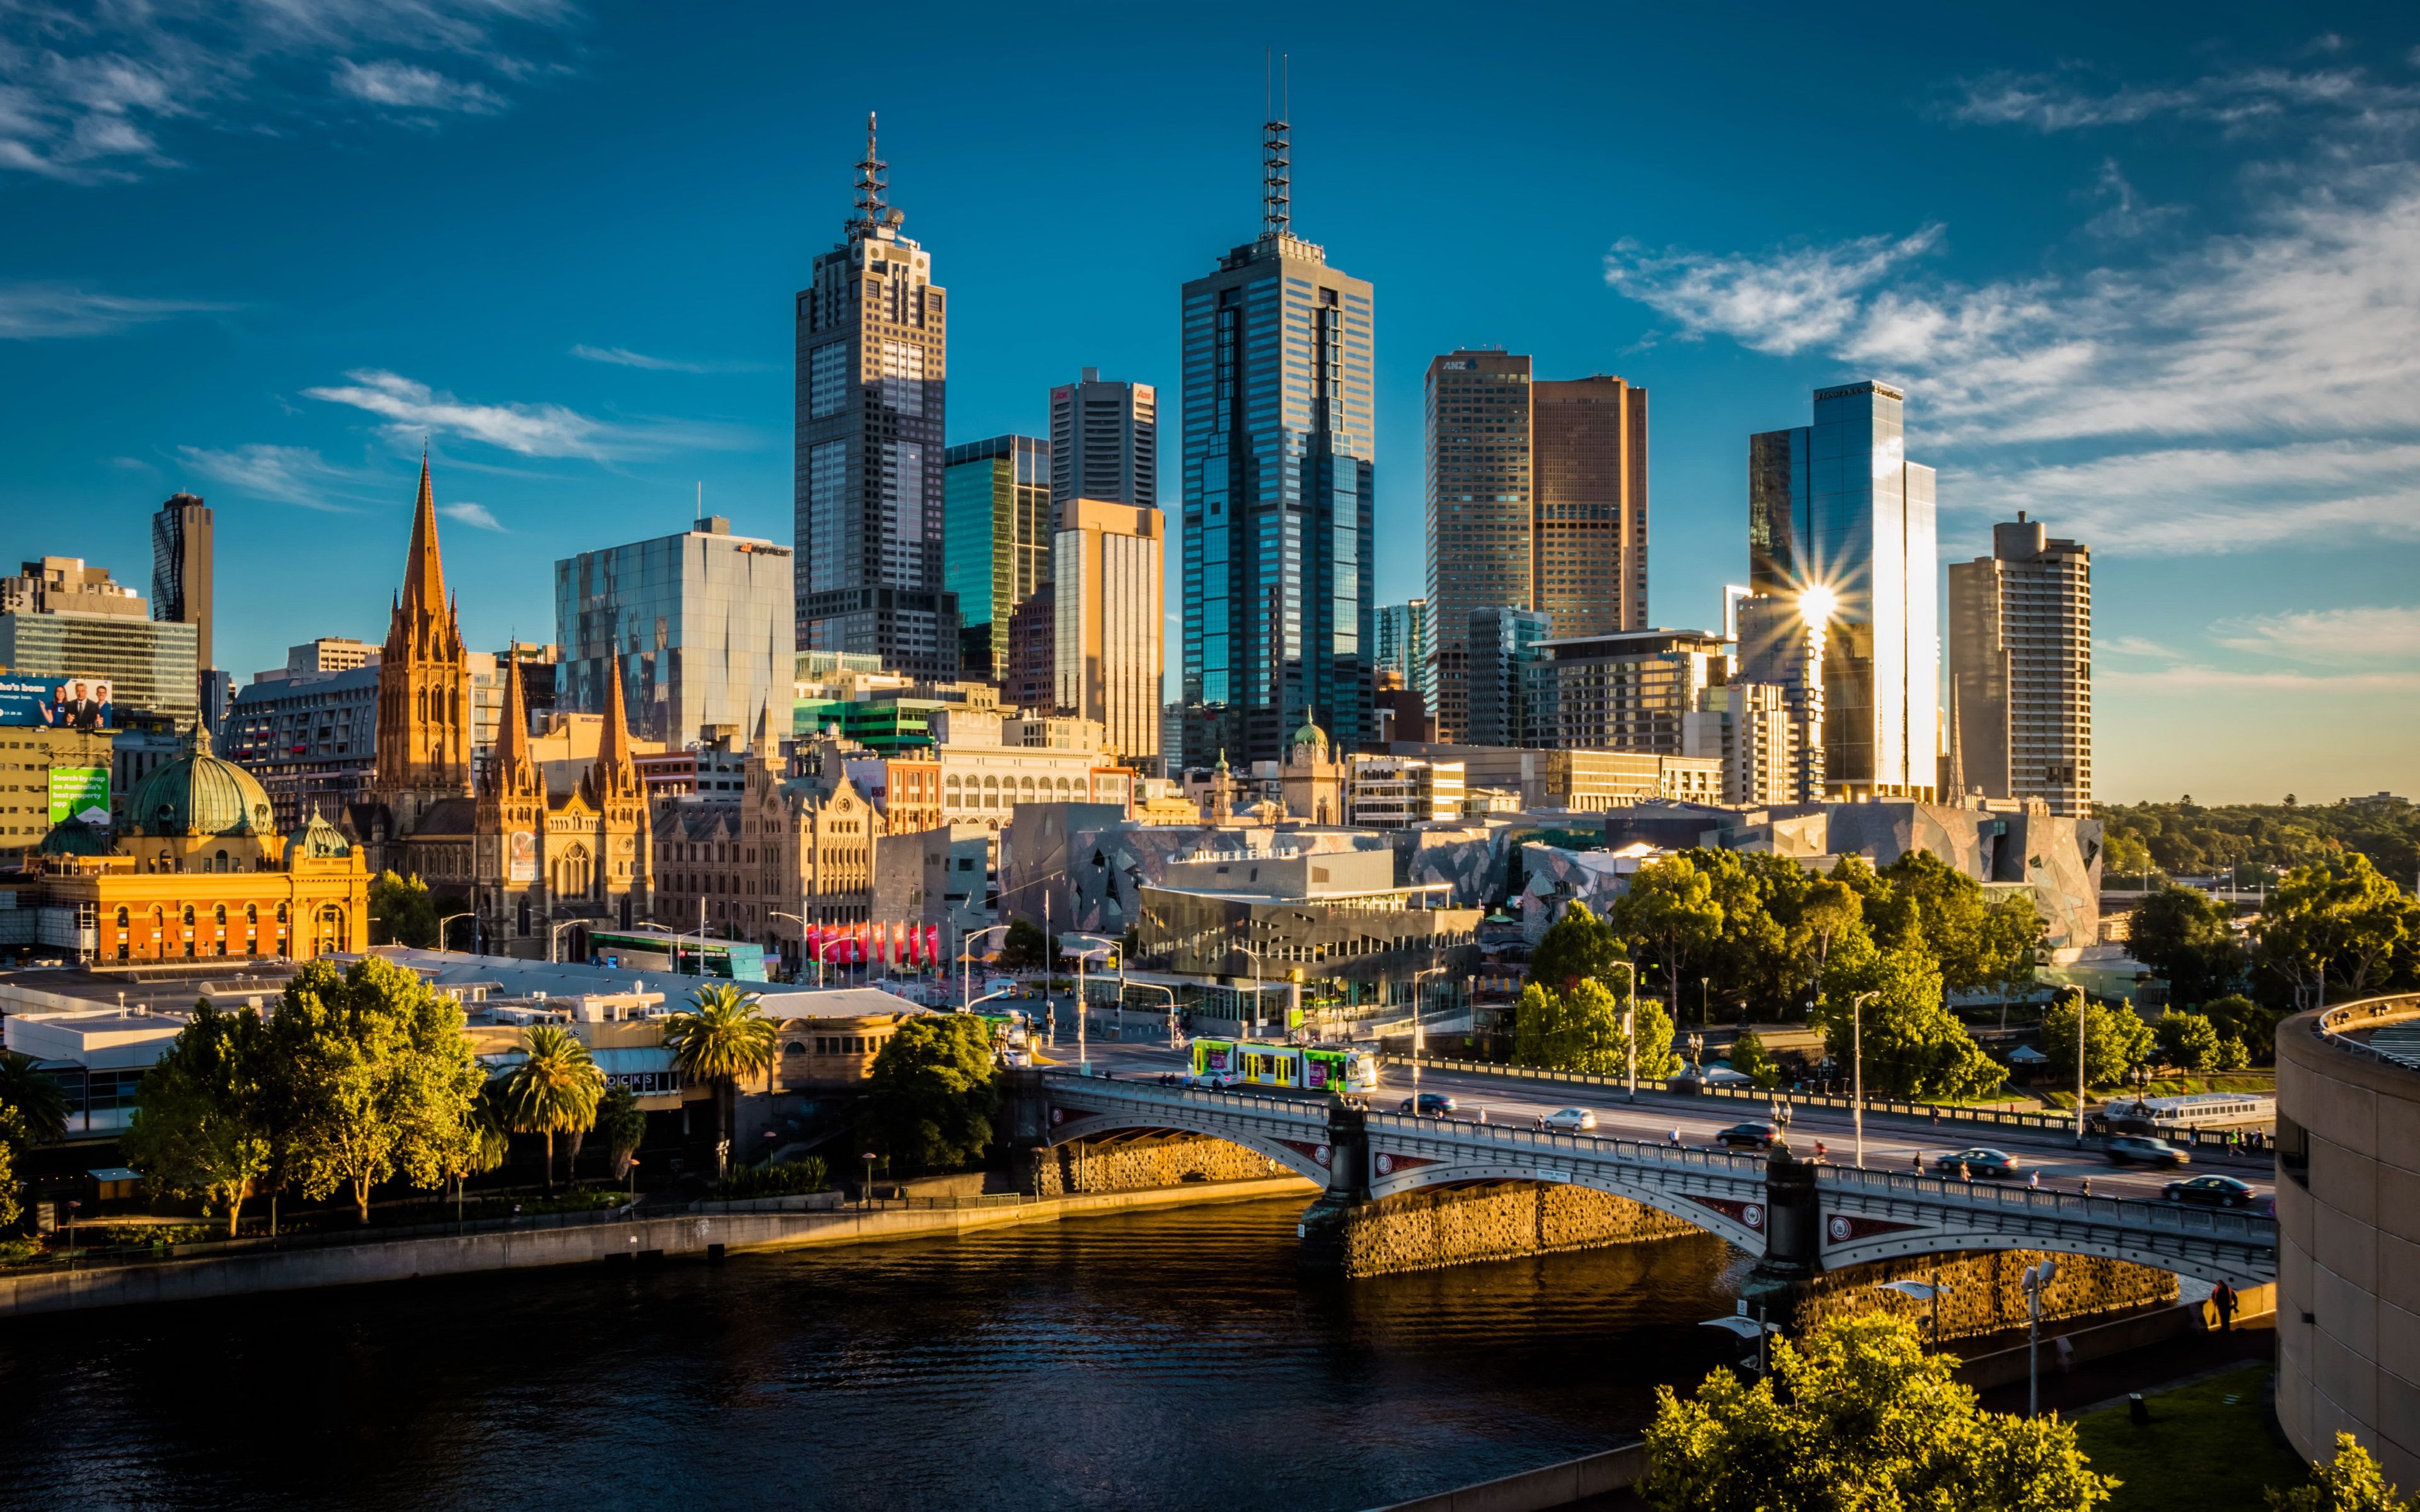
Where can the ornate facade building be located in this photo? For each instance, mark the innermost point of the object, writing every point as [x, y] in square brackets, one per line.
[1313, 780]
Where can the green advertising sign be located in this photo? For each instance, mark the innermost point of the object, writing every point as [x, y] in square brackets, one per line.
[80, 792]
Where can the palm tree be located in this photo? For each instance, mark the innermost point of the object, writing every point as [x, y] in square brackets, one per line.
[35, 1096]
[724, 1037]
[554, 1090]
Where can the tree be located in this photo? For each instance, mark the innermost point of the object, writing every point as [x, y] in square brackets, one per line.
[1581, 1030]
[1577, 947]
[2354, 1483]
[624, 1124]
[2126, 857]
[931, 1098]
[13, 1138]
[2182, 934]
[37, 1098]
[1949, 917]
[379, 1080]
[1858, 1416]
[201, 1126]
[402, 912]
[1538, 1035]
[1670, 909]
[2186, 1041]
[1025, 948]
[2115, 1039]
[554, 1090]
[2334, 916]
[2239, 1018]
[724, 1037]
[1751, 1059]
[2012, 934]
[1754, 960]
[1914, 1046]
[1830, 912]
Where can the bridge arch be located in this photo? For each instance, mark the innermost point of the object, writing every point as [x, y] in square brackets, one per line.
[2162, 1251]
[1739, 1217]
[1307, 1156]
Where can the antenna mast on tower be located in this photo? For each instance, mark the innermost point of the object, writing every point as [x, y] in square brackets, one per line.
[1276, 159]
[872, 211]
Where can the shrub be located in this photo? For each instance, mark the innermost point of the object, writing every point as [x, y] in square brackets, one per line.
[784, 1179]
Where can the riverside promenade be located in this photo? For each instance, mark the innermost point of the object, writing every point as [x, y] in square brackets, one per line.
[608, 1240]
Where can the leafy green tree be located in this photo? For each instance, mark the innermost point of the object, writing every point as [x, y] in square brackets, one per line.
[402, 912]
[2125, 859]
[1830, 912]
[1753, 961]
[1914, 1046]
[2115, 1039]
[1858, 1416]
[1669, 910]
[13, 1138]
[554, 1089]
[2335, 918]
[2351, 1482]
[723, 1036]
[2254, 1027]
[201, 1126]
[1025, 948]
[35, 1096]
[624, 1124]
[379, 1080]
[1949, 917]
[1577, 947]
[1539, 1038]
[1750, 1058]
[931, 1097]
[1657, 1061]
[2186, 1041]
[2182, 934]
[2012, 935]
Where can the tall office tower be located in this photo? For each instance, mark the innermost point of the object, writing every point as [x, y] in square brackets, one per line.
[1106, 642]
[181, 568]
[1496, 643]
[1278, 448]
[2021, 669]
[995, 542]
[1479, 538]
[695, 628]
[93, 642]
[1403, 640]
[1588, 469]
[872, 359]
[1104, 442]
[1839, 518]
[1781, 645]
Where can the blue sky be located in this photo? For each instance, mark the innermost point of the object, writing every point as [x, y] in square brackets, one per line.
[2152, 274]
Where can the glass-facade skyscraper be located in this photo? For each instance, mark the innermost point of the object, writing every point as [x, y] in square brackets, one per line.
[995, 542]
[1278, 449]
[1837, 509]
[872, 343]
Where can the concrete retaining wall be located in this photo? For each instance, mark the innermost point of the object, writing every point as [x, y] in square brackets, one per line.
[643, 1239]
[1425, 1230]
[1548, 1486]
[1985, 1293]
[1142, 1163]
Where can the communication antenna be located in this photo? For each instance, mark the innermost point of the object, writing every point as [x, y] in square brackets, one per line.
[1277, 155]
[872, 212]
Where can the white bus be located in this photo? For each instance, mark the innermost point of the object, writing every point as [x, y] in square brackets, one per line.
[2201, 1110]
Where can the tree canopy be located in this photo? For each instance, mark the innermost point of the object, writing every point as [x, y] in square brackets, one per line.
[554, 1089]
[2351, 1482]
[40, 1103]
[2337, 922]
[1858, 1416]
[1577, 947]
[722, 1036]
[1025, 948]
[1581, 1030]
[2189, 1043]
[2190, 840]
[1669, 911]
[2115, 1039]
[2182, 934]
[203, 1126]
[1914, 1046]
[931, 1097]
[402, 912]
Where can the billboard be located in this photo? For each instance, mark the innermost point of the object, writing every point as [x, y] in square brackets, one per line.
[520, 859]
[80, 792]
[79, 702]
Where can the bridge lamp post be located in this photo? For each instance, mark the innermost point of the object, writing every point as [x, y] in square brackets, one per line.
[1857, 1067]
[2036, 1280]
[1083, 1058]
[1420, 1034]
[1111, 947]
[1630, 1026]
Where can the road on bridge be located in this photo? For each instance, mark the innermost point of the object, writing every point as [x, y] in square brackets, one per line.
[1893, 1141]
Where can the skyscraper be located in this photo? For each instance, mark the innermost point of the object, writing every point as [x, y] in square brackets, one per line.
[995, 544]
[1835, 510]
[1403, 640]
[181, 568]
[1104, 442]
[2021, 669]
[872, 360]
[1108, 641]
[1587, 471]
[1278, 445]
[1478, 536]
[1498, 642]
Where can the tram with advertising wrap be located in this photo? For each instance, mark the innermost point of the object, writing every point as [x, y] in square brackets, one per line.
[1306, 1068]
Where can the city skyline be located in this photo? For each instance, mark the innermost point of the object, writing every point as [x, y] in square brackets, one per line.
[2250, 547]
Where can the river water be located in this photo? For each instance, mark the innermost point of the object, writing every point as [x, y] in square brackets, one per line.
[1157, 1359]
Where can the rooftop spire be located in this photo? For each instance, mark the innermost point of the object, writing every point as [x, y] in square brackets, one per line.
[423, 570]
[615, 774]
[1276, 159]
[513, 772]
[872, 211]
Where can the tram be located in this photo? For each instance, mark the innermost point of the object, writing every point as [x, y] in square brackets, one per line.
[1252, 1062]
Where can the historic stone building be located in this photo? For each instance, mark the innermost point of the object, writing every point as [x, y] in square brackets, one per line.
[1313, 778]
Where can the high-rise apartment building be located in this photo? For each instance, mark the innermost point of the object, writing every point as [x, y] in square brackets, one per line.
[995, 544]
[1537, 500]
[872, 343]
[1403, 640]
[181, 568]
[695, 626]
[1108, 655]
[69, 625]
[1629, 690]
[2021, 671]
[1836, 511]
[1497, 645]
[1278, 522]
[1104, 442]
[1782, 646]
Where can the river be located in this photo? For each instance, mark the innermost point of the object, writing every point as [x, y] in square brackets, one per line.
[1168, 1359]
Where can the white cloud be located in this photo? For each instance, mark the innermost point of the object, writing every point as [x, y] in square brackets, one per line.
[285, 475]
[36, 311]
[2195, 680]
[408, 86]
[2210, 500]
[471, 514]
[2135, 645]
[1781, 304]
[2243, 101]
[624, 357]
[415, 409]
[2331, 637]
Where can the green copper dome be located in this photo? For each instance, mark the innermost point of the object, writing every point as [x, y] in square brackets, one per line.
[73, 837]
[1309, 735]
[197, 793]
[319, 842]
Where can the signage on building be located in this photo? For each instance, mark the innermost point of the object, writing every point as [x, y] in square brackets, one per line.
[80, 792]
[65, 702]
[520, 861]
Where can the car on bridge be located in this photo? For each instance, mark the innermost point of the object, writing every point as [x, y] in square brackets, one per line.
[1430, 1105]
[2212, 1192]
[1750, 1135]
[1978, 1161]
[1570, 1121]
[2129, 1150]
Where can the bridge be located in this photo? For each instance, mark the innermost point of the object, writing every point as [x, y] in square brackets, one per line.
[1795, 1217]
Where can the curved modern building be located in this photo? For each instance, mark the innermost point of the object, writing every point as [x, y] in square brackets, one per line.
[2348, 1230]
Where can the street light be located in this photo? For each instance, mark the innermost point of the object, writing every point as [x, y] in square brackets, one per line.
[554, 933]
[966, 961]
[1931, 1291]
[1256, 994]
[2037, 1278]
[1083, 1057]
[448, 919]
[1420, 1031]
[1149, 987]
[1857, 1066]
[1109, 946]
[799, 920]
[1630, 1026]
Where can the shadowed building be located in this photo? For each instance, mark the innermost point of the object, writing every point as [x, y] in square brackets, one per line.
[2021, 669]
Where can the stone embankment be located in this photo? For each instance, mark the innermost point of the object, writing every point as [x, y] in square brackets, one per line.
[1142, 1163]
[1984, 1295]
[1425, 1230]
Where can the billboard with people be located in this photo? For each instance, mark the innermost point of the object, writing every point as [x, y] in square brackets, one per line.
[61, 703]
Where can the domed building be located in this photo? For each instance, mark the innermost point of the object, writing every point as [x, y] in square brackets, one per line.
[1312, 779]
[197, 870]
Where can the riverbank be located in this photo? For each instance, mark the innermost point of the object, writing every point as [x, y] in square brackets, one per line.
[634, 1241]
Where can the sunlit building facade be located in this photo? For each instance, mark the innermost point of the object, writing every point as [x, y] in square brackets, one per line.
[995, 542]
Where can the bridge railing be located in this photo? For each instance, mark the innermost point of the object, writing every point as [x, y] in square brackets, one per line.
[1514, 1136]
[2252, 1227]
[2336, 1023]
[1309, 1108]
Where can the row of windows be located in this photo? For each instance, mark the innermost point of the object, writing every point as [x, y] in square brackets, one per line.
[219, 915]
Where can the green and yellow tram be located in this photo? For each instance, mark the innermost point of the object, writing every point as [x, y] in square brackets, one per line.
[1310, 1068]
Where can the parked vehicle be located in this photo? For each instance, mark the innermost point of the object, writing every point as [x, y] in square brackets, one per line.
[1571, 1121]
[1750, 1135]
[1432, 1105]
[2212, 1192]
[2142, 1149]
[1979, 1161]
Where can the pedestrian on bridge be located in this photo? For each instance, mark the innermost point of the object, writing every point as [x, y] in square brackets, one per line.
[1675, 1139]
[2033, 1181]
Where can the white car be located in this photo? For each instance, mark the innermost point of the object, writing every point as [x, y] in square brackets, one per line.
[1571, 1121]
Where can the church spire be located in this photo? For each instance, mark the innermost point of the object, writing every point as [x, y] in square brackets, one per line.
[514, 773]
[423, 568]
[615, 774]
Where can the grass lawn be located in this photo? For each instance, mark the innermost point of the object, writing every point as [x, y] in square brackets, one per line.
[2199, 1451]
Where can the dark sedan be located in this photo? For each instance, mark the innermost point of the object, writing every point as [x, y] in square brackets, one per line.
[2142, 1149]
[2212, 1192]
[1749, 1136]
[1432, 1105]
[1977, 1163]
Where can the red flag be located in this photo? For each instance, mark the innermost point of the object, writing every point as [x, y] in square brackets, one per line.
[933, 944]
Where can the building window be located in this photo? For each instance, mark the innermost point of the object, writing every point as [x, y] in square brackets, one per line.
[189, 913]
[121, 916]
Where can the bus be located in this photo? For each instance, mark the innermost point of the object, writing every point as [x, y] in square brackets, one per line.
[1252, 1062]
[2201, 1110]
